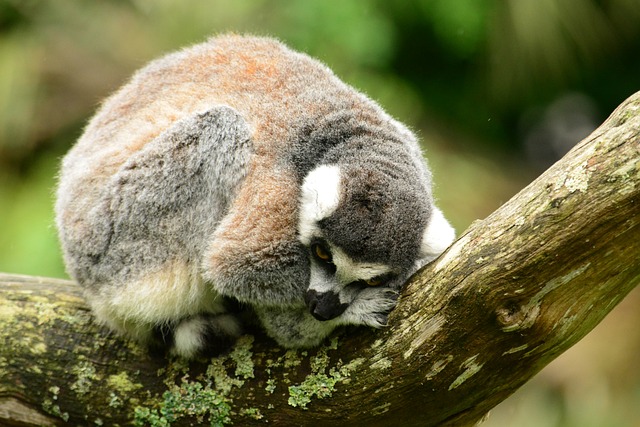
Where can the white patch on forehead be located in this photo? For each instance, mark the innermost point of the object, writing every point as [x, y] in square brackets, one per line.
[319, 198]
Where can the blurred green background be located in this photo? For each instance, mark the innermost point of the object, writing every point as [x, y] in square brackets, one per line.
[497, 90]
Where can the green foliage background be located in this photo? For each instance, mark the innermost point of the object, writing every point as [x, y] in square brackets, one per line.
[479, 80]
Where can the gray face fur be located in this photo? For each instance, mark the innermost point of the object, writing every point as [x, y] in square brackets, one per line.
[364, 222]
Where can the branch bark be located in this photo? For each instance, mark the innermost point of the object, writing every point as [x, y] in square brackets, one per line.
[515, 291]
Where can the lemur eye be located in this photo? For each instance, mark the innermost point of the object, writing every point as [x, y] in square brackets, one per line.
[380, 280]
[376, 281]
[321, 252]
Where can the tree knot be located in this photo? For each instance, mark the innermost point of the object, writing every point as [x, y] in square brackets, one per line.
[514, 316]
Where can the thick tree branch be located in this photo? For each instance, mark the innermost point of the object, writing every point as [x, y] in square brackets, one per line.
[515, 291]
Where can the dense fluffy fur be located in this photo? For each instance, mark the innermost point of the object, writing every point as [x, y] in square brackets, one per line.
[210, 175]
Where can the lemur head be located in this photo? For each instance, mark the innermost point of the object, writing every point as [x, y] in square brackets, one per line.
[365, 229]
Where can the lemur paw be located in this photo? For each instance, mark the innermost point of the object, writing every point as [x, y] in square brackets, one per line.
[372, 307]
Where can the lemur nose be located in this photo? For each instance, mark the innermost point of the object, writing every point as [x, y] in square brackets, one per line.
[324, 306]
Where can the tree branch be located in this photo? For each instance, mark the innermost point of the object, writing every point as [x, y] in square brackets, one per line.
[515, 291]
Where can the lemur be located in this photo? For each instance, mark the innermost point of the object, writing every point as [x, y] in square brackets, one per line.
[240, 169]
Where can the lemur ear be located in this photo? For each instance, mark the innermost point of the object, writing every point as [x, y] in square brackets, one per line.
[319, 198]
[437, 237]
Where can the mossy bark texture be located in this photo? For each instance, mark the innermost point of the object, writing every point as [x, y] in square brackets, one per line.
[516, 290]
